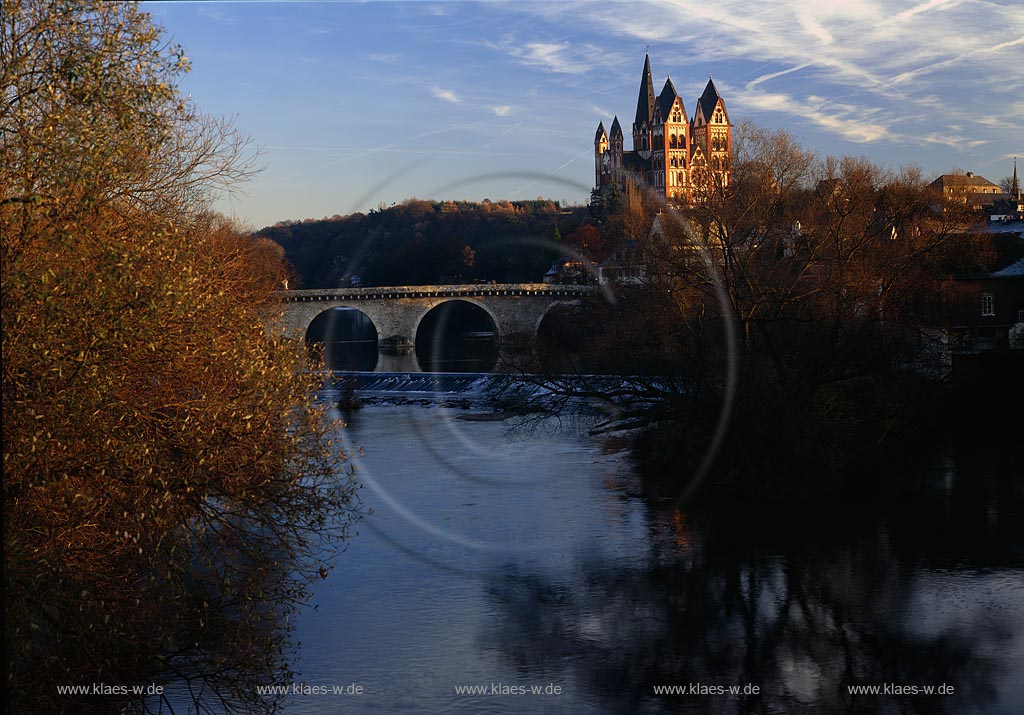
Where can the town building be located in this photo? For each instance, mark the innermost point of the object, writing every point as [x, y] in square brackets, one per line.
[676, 155]
[987, 309]
[976, 192]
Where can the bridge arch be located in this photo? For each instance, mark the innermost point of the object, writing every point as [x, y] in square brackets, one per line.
[561, 303]
[458, 299]
[349, 337]
[397, 312]
[564, 337]
[457, 334]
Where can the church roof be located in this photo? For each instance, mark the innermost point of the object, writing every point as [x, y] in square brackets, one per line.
[645, 102]
[708, 100]
[616, 128]
[632, 161]
[666, 98]
[600, 132]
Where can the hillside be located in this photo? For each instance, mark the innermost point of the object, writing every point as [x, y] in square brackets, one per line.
[427, 242]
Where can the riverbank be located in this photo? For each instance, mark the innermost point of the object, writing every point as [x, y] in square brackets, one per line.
[837, 447]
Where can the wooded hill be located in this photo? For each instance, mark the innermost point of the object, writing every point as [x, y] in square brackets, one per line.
[422, 242]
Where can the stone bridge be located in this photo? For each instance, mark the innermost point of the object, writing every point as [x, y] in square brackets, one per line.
[516, 309]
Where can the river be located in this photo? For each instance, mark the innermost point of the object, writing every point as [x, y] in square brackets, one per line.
[513, 562]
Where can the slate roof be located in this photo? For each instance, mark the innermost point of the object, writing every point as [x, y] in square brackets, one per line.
[600, 132]
[633, 161]
[616, 128]
[666, 98]
[708, 100]
[645, 102]
[1011, 271]
[967, 180]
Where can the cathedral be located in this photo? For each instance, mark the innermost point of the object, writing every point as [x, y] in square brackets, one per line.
[674, 155]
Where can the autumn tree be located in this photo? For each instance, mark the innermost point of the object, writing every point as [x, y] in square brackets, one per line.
[165, 479]
[795, 301]
[827, 275]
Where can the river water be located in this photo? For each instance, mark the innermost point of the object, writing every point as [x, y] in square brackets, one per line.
[522, 560]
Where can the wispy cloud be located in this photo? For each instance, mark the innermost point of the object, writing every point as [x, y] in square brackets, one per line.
[813, 26]
[504, 133]
[216, 14]
[773, 75]
[958, 59]
[892, 62]
[954, 142]
[852, 123]
[502, 110]
[561, 57]
[388, 58]
[446, 94]
[923, 7]
[436, 10]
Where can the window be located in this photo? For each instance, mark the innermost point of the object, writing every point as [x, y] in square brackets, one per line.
[988, 304]
[1020, 316]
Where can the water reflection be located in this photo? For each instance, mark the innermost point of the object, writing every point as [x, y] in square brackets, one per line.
[347, 337]
[926, 591]
[611, 595]
[457, 336]
[801, 627]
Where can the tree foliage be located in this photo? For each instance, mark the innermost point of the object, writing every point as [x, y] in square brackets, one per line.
[424, 242]
[165, 480]
[797, 300]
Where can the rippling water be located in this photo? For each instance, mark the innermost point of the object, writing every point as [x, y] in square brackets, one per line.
[529, 560]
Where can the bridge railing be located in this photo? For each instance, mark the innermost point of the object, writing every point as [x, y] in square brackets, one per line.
[439, 291]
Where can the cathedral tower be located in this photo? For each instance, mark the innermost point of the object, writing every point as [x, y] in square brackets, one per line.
[712, 132]
[671, 144]
[600, 148]
[616, 139]
[644, 112]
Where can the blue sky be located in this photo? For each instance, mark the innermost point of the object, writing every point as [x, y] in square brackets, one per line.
[355, 104]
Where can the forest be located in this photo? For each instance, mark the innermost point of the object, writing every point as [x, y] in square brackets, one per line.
[419, 242]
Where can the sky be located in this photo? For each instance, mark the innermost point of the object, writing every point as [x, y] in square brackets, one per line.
[355, 105]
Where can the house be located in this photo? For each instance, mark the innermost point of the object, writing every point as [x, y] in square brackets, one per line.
[569, 271]
[975, 191]
[988, 310]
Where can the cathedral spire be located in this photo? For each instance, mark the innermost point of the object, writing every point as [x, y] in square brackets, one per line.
[645, 102]
[709, 99]
[1015, 185]
[616, 129]
[665, 99]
